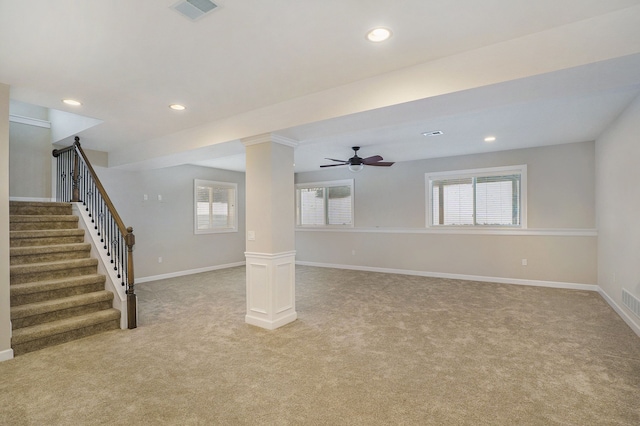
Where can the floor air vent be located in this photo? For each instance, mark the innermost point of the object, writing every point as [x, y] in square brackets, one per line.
[195, 9]
[631, 302]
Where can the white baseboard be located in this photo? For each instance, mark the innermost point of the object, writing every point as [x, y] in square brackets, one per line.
[625, 317]
[6, 355]
[517, 281]
[187, 272]
[32, 199]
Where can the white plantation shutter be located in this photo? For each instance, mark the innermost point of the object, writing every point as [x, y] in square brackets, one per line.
[202, 207]
[215, 206]
[485, 197]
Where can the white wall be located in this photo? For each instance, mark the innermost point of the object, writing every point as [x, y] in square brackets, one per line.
[618, 207]
[5, 320]
[29, 155]
[165, 228]
[560, 246]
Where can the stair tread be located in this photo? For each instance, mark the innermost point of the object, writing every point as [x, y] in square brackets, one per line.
[39, 331]
[57, 248]
[42, 218]
[39, 208]
[39, 203]
[37, 308]
[34, 233]
[36, 286]
[51, 266]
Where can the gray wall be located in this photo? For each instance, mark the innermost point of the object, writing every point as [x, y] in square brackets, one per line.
[561, 198]
[165, 228]
[618, 207]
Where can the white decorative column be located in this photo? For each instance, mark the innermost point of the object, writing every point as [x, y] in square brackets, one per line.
[270, 224]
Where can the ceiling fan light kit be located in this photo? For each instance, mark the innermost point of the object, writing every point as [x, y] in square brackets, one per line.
[357, 163]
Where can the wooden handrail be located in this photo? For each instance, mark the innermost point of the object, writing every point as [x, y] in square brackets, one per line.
[57, 152]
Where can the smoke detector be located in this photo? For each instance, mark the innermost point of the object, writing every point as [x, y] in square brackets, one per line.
[194, 9]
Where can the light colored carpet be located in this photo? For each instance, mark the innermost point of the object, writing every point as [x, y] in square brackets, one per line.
[367, 349]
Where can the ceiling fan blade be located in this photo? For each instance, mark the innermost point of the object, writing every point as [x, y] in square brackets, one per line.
[381, 163]
[372, 159]
[334, 165]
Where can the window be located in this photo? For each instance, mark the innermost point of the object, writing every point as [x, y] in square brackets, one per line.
[325, 203]
[482, 197]
[215, 207]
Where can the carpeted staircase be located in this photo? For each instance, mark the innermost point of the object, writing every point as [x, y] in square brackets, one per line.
[56, 293]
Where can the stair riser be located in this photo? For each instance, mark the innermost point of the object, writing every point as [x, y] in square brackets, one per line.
[61, 314]
[34, 345]
[34, 226]
[45, 241]
[48, 257]
[39, 210]
[43, 296]
[50, 275]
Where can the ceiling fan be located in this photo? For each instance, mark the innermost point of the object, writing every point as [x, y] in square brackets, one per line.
[356, 163]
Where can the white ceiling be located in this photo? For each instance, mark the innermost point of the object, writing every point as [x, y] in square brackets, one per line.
[530, 73]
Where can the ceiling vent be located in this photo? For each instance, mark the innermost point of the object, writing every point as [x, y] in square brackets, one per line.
[195, 9]
[433, 133]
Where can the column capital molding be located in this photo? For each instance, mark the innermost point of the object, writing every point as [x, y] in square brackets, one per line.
[269, 137]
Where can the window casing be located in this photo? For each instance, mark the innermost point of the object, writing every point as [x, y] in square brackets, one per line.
[215, 207]
[492, 197]
[325, 204]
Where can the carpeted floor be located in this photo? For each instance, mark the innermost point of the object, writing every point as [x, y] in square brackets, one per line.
[367, 349]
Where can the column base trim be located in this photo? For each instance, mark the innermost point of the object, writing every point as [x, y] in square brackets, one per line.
[271, 325]
[271, 292]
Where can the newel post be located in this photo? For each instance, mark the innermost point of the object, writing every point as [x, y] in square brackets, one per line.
[132, 317]
[75, 194]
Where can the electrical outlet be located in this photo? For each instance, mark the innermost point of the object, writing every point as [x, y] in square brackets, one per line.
[145, 197]
[159, 197]
[160, 260]
[524, 262]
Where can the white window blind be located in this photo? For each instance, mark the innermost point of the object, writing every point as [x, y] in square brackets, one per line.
[325, 203]
[215, 207]
[483, 197]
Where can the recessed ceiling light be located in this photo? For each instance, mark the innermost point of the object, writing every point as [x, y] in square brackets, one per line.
[490, 139]
[177, 107]
[433, 133]
[71, 102]
[377, 35]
